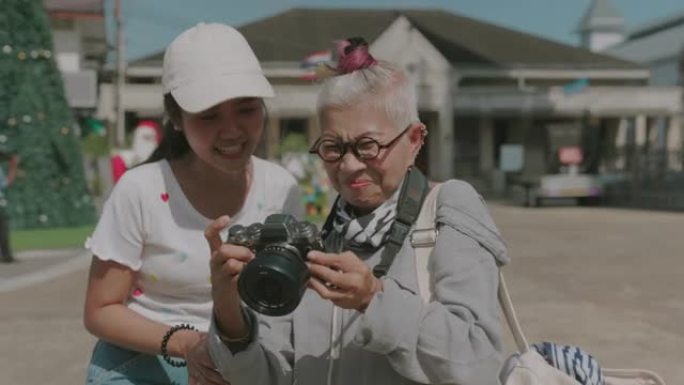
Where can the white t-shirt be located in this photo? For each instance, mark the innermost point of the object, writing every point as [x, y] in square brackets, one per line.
[150, 226]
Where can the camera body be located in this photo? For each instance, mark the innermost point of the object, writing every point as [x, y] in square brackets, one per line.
[273, 283]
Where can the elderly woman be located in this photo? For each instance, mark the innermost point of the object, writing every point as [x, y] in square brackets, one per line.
[363, 320]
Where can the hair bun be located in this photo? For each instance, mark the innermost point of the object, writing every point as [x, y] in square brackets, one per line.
[353, 55]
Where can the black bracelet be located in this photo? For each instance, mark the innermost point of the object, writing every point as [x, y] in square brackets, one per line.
[165, 342]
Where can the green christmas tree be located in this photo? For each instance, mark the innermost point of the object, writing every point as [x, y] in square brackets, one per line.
[37, 124]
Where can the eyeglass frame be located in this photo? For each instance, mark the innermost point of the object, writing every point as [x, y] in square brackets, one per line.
[354, 146]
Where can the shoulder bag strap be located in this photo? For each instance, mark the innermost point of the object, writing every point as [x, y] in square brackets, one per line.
[423, 240]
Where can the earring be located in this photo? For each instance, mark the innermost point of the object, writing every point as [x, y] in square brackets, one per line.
[423, 135]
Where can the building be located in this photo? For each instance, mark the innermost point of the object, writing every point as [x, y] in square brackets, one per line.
[655, 152]
[78, 32]
[658, 46]
[479, 86]
[601, 27]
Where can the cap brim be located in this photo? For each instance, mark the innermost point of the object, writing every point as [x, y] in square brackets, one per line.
[199, 96]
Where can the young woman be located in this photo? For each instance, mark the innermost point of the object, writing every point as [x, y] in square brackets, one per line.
[149, 293]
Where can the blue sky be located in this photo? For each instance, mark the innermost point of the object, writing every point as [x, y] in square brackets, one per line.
[151, 24]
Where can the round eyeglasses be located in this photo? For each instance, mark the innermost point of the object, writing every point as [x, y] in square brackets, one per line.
[364, 148]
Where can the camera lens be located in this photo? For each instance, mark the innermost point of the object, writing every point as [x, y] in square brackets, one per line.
[270, 290]
[274, 282]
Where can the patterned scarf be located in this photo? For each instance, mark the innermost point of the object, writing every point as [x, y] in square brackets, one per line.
[367, 232]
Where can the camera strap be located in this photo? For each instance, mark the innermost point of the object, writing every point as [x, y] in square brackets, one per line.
[411, 196]
[331, 243]
[413, 192]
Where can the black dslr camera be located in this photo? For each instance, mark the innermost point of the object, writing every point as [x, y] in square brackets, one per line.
[273, 283]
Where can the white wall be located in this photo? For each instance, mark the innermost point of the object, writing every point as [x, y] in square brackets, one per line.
[67, 47]
[146, 99]
[599, 41]
[665, 72]
[403, 45]
[293, 100]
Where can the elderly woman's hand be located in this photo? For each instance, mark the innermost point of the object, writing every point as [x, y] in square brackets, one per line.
[201, 368]
[344, 279]
[227, 261]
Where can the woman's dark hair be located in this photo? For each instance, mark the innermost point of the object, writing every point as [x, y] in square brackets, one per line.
[173, 144]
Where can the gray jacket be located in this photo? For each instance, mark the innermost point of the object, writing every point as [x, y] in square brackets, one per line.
[455, 339]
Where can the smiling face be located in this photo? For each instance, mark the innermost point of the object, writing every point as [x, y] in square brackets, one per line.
[366, 184]
[225, 135]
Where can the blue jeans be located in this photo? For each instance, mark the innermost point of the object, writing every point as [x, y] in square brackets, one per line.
[114, 365]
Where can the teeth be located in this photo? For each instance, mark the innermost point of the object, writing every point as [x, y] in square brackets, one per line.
[229, 150]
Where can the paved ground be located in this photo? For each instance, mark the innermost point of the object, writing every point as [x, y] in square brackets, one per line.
[41, 333]
[607, 280]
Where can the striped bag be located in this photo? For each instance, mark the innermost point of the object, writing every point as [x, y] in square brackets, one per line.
[573, 361]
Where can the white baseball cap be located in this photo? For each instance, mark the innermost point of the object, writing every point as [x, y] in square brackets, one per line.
[210, 63]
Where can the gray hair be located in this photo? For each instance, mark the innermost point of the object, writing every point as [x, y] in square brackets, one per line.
[384, 86]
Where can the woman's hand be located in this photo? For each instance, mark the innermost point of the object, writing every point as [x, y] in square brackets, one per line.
[201, 368]
[227, 261]
[343, 278]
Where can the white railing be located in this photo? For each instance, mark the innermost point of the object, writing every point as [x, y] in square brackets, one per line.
[606, 101]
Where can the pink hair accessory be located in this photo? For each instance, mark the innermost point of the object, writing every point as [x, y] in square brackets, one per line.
[353, 55]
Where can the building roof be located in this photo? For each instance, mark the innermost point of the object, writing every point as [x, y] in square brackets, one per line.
[465, 42]
[601, 15]
[655, 26]
[655, 41]
[74, 7]
[666, 44]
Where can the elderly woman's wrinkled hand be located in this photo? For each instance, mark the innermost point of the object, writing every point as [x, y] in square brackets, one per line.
[201, 368]
[344, 279]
